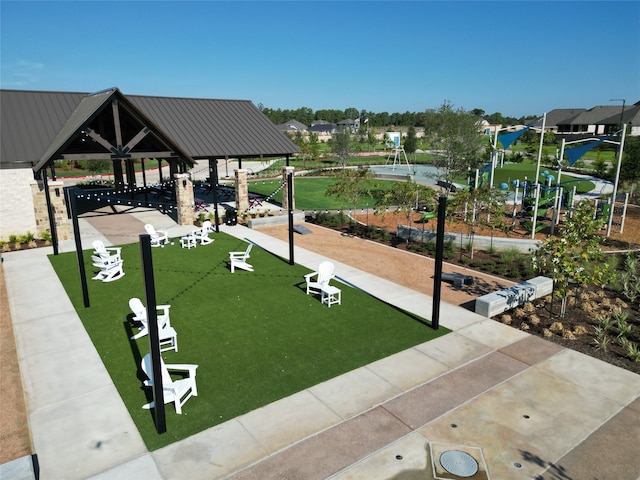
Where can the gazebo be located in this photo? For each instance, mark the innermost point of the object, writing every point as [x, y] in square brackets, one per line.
[39, 128]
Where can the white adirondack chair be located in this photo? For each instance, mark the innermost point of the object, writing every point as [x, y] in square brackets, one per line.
[176, 391]
[158, 237]
[103, 256]
[110, 272]
[316, 281]
[239, 259]
[202, 233]
[167, 335]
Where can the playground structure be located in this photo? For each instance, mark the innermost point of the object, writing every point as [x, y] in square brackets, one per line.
[397, 152]
[538, 198]
[544, 204]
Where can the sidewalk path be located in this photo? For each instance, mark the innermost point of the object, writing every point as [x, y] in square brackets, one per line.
[521, 406]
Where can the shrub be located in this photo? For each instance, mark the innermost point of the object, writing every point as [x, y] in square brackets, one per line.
[489, 266]
[514, 271]
[332, 219]
[528, 270]
[501, 269]
[24, 239]
[511, 255]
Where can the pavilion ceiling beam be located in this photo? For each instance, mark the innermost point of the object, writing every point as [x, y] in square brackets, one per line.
[86, 156]
[116, 121]
[108, 156]
[135, 140]
[153, 154]
[98, 138]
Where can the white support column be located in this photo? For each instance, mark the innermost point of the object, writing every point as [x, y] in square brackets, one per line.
[544, 121]
[615, 183]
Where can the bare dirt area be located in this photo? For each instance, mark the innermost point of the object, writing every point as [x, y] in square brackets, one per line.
[629, 239]
[396, 265]
[15, 441]
[588, 308]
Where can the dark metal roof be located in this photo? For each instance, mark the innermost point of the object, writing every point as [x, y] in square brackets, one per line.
[34, 123]
[559, 116]
[29, 121]
[217, 128]
[595, 115]
[95, 112]
[323, 127]
[630, 115]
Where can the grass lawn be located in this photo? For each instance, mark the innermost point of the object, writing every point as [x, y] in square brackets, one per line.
[257, 337]
[513, 171]
[310, 193]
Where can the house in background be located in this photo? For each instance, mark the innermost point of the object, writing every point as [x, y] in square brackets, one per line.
[578, 123]
[354, 125]
[603, 120]
[323, 129]
[292, 127]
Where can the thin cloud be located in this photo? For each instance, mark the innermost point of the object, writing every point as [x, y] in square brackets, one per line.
[21, 74]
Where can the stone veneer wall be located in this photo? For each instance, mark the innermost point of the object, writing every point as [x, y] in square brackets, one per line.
[242, 191]
[17, 216]
[184, 199]
[60, 214]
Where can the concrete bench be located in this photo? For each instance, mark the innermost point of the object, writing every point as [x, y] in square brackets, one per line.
[458, 279]
[281, 219]
[498, 302]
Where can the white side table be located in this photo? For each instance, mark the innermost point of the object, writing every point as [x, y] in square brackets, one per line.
[330, 295]
[188, 241]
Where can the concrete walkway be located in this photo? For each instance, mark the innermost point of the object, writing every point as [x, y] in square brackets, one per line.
[519, 406]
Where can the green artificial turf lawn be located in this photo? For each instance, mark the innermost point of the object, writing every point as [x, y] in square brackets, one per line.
[256, 336]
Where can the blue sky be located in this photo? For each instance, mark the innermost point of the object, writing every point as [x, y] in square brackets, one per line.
[516, 58]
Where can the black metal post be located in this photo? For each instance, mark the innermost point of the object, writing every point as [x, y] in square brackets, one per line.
[290, 204]
[76, 235]
[213, 181]
[437, 278]
[52, 220]
[154, 337]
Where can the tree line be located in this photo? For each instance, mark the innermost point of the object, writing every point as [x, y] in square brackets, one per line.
[307, 116]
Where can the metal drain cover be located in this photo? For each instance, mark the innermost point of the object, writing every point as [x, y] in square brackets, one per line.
[459, 463]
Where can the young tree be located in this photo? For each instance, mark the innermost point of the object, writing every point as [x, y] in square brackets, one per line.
[371, 137]
[456, 135]
[575, 256]
[313, 145]
[405, 197]
[630, 167]
[600, 167]
[352, 185]
[342, 144]
[411, 142]
[480, 206]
